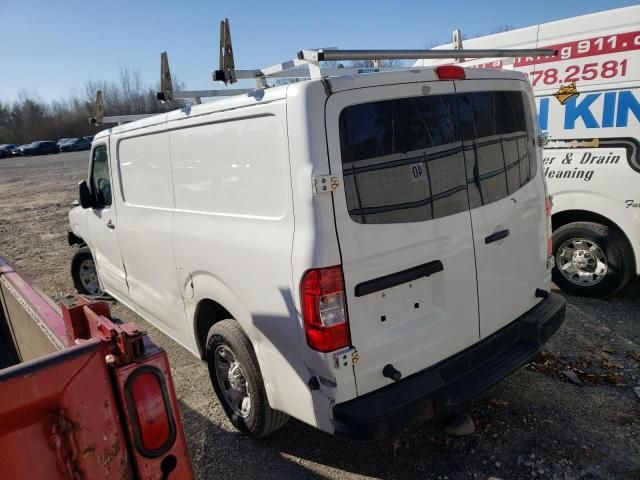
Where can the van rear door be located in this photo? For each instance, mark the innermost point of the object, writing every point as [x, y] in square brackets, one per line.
[506, 196]
[404, 227]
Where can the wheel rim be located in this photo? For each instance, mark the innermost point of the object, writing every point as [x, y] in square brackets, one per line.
[582, 262]
[89, 277]
[232, 381]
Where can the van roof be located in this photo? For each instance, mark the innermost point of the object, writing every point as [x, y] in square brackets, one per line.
[337, 84]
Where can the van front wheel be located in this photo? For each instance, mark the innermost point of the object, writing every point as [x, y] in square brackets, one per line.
[592, 260]
[84, 273]
[236, 379]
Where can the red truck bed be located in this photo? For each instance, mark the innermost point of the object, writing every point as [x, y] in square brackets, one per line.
[99, 403]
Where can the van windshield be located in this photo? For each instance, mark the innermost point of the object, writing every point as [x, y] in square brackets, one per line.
[420, 158]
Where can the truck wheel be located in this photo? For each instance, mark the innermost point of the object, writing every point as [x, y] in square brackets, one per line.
[592, 260]
[236, 379]
[84, 274]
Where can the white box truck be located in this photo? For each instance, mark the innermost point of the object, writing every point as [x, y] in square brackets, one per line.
[588, 99]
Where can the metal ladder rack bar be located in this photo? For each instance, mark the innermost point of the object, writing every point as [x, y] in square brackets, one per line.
[302, 72]
[311, 59]
[338, 55]
[307, 65]
[120, 118]
[197, 94]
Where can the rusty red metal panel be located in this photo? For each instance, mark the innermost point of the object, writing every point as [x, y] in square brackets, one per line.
[59, 418]
[148, 468]
[66, 415]
[130, 352]
[46, 312]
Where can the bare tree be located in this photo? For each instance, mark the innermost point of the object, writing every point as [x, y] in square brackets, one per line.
[29, 118]
[433, 44]
[501, 28]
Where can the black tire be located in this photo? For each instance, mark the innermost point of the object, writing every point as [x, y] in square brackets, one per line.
[617, 252]
[262, 419]
[82, 255]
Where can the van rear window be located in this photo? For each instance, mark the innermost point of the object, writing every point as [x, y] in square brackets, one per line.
[498, 142]
[421, 158]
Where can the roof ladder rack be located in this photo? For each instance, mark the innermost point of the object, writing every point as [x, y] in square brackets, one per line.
[166, 94]
[100, 119]
[306, 64]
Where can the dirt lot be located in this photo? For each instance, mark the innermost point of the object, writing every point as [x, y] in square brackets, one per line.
[537, 423]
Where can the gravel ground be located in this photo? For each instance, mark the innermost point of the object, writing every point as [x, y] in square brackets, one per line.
[540, 422]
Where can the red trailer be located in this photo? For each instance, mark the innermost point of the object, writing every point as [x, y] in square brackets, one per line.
[81, 395]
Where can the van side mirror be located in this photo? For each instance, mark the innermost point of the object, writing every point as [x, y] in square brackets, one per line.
[84, 195]
[543, 139]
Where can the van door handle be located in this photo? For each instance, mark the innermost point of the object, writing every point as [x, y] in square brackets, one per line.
[398, 278]
[110, 225]
[494, 237]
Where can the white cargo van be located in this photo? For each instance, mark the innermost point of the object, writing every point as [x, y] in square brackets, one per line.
[358, 252]
[588, 99]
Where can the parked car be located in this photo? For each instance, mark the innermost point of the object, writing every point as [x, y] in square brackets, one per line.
[75, 145]
[89, 138]
[62, 141]
[42, 147]
[414, 274]
[6, 149]
[17, 150]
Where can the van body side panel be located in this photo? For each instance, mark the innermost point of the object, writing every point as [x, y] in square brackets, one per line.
[315, 242]
[233, 229]
[594, 149]
[602, 58]
[600, 199]
[144, 228]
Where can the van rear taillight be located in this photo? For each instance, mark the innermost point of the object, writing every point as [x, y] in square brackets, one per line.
[148, 404]
[547, 208]
[324, 310]
[450, 72]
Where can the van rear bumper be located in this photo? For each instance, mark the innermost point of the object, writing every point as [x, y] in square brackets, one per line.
[453, 381]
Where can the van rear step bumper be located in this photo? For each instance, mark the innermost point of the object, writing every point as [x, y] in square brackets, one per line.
[453, 381]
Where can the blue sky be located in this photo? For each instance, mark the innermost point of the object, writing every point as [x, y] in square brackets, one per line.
[49, 47]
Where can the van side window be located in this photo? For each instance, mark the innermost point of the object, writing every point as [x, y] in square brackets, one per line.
[498, 144]
[402, 160]
[100, 180]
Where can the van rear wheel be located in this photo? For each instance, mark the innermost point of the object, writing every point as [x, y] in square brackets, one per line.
[236, 379]
[592, 260]
[84, 273]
